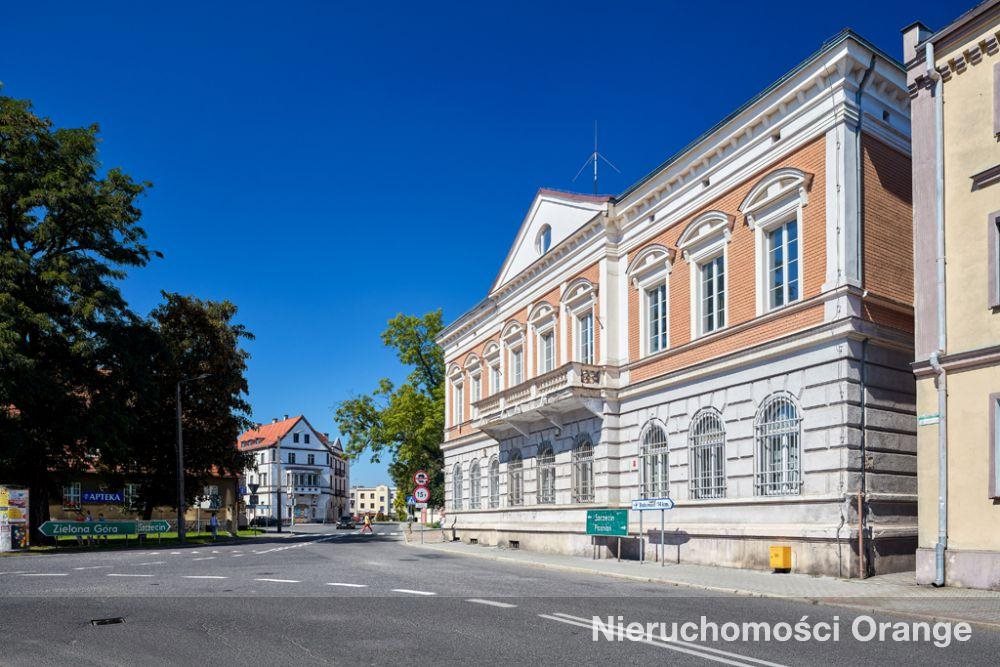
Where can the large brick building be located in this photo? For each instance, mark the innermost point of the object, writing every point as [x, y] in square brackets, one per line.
[732, 331]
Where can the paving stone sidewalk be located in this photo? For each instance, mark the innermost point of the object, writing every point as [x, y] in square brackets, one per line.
[893, 593]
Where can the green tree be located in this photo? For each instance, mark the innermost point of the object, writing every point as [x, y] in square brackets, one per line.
[184, 337]
[404, 423]
[67, 235]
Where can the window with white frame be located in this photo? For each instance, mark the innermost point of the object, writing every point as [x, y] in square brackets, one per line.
[494, 378]
[494, 482]
[774, 208]
[71, 495]
[311, 459]
[291, 457]
[546, 351]
[583, 471]
[475, 388]
[995, 445]
[655, 299]
[778, 460]
[515, 480]
[543, 241]
[585, 338]
[655, 462]
[475, 485]
[516, 366]
[456, 487]
[546, 484]
[712, 294]
[648, 273]
[783, 264]
[707, 437]
[457, 403]
[131, 495]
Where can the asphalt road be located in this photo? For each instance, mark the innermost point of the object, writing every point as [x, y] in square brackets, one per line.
[329, 597]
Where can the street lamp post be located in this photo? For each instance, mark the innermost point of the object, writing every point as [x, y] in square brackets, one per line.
[180, 458]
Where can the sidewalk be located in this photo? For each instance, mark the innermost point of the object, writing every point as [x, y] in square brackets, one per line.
[892, 593]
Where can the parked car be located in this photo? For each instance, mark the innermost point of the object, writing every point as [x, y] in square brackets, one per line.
[346, 522]
[262, 521]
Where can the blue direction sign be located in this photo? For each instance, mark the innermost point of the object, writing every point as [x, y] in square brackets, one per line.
[652, 504]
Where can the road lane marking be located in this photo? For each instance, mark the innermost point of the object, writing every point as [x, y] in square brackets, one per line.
[156, 562]
[45, 574]
[93, 567]
[175, 553]
[281, 581]
[492, 603]
[412, 592]
[131, 575]
[348, 585]
[238, 555]
[204, 558]
[706, 652]
[214, 551]
[202, 576]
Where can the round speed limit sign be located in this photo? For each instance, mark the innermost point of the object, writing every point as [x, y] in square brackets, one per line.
[421, 494]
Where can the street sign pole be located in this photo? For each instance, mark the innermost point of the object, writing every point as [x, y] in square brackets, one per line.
[642, 542]
[663, 548]
[180, 470]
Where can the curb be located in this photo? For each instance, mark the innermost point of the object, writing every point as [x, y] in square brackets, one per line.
[829, 602]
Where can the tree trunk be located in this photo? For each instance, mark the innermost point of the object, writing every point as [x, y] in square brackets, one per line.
[38, 512]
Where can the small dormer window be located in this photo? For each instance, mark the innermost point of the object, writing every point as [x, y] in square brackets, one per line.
[544, 240]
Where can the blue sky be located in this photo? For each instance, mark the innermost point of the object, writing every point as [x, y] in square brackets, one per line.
[326, 165]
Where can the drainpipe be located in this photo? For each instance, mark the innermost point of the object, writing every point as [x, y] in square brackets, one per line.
[935, 357]
[860, 247]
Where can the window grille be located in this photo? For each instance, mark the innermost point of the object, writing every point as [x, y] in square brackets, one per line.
[778, 465]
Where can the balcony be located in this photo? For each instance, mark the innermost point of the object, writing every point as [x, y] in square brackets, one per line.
[546, 400]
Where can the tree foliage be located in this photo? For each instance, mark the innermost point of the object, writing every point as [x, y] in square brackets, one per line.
[404, 423]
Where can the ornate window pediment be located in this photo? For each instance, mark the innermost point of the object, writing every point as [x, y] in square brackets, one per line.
[579, 293]
[650, 261]
[774, 190]
[705, 231]
[512, 332]
[542, 314]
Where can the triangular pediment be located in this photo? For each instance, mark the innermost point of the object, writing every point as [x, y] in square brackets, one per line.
[562, 213]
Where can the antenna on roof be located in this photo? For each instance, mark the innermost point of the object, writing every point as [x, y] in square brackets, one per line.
[595, 157]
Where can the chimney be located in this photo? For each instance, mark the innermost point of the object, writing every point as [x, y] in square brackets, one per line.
[286, 416]
[274, 420]
[913, 35]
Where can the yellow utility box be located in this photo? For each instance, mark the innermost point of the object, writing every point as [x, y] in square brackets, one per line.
[781, 559]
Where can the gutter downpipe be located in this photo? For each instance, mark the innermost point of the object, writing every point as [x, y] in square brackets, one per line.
[935, 357]
[860, 247]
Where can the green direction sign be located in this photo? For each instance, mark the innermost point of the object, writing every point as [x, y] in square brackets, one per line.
[158, 526]
[607, 522]
[100, 528]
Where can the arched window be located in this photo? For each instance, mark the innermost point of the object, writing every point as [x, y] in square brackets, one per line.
[494, 482]
[655, 476]
[779, 461]
[515, 480]
[475, 486]
[707, 437]
[583, 471]
[544, 240]
[456, 487]
[546, 475]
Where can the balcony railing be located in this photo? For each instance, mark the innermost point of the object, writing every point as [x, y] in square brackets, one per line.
[568, 376]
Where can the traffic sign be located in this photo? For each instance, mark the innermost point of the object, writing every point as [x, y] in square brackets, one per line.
[420, 478]
[653, 504]
[409, 500]
[253, 487]
[92, 528]
[420, 506]
[157, 526]
[421, 494]
[607, 522]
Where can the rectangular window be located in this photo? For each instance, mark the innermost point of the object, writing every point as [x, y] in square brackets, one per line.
[475, 389]
[585, 339]
[263, 479]
[291, 457]
[274, 455]
[305, 437]
[494, 379]
[995, 445]
[993, 260]
[546, 351]
[295, 437]
[311, 459]
[516, 366]
[131, 495]
[783, 264]
[71, 495]
[458, 404]
[713, 294]
[656, 318]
